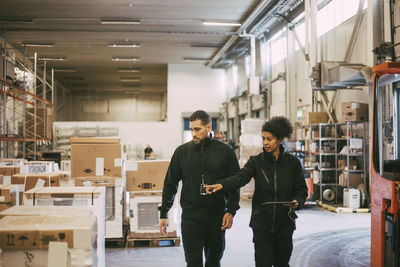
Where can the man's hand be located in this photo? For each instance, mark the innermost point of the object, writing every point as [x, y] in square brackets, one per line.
[293, 205]
[163, 226]
[213, 188]
[227, 221]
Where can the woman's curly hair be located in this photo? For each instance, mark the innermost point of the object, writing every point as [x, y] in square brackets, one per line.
[279, 127]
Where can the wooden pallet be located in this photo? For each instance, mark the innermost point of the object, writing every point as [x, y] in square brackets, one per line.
[116, 242]
[154, 242]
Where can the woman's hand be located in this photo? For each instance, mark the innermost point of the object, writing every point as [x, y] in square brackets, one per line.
[213, 188]
[292, 205]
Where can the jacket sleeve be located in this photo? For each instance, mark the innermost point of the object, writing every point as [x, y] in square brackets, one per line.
[241, 178]
[233, 194]
[170, 188]
[300, 186]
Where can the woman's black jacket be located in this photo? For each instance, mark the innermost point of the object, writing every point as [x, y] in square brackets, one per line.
[275, 180]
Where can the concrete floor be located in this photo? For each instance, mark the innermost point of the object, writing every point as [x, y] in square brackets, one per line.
[322, 238]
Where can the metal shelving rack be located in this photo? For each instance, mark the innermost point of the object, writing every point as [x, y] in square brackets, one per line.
[19, 106]
[332, 138]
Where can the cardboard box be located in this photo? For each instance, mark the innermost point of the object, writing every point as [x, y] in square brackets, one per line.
[28, 240]
[9, 196]
[9, 170]
[12, 162]
[315, 117]
[114, 206]
[30, 180]
[342, 164]
[355, 179]
[46, 211]
[37, 167]
[354, 111]
[77, 231]
[84, 159]
[74, 196]
[146, 175]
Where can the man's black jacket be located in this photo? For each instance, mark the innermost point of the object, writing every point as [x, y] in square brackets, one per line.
[275, 180]
[212, 159]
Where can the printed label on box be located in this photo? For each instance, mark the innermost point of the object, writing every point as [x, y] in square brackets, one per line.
[117, 162]
[100, 166]
[131, 166]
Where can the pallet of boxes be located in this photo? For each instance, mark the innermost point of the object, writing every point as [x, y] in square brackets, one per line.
[97, 162]
[35, 234]
[145, 181]
[250, 145]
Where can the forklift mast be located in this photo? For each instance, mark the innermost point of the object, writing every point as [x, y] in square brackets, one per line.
[385, 166]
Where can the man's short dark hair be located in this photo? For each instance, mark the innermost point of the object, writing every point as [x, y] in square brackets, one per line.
[201, 115]
[278, 126]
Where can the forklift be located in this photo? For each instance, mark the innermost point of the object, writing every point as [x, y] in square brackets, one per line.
[385, 165]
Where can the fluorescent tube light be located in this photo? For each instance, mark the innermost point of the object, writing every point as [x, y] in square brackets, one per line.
[39, 44]
[206, 45]
[215, 23]
[53, 58]
[125, 45]
[119, 22]
[129, 79]
[126, 59]
[129, 69]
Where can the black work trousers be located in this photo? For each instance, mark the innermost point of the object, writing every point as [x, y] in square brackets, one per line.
[273, 249]
[203, 235]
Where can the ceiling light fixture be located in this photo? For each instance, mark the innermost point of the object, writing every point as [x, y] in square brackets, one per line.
[216, 23]
[119, 22]
[38, 44]
[129, 69]
[134, 59]
[206, 45]
[125, 45]
[129, 79]
[195, 59]
[53, 58]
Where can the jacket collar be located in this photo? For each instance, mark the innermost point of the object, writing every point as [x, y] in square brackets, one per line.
[206, 141]
[270, 156]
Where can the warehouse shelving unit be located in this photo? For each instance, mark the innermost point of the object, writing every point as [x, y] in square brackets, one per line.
[25, 109]
[337, 152]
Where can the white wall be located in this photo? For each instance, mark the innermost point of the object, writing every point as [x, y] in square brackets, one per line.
[190, 87]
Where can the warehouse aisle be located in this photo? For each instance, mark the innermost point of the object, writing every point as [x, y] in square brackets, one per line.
[322, 238]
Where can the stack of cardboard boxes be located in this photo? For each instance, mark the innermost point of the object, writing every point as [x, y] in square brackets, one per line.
[145, 180]
[98, 162]
[93, 197]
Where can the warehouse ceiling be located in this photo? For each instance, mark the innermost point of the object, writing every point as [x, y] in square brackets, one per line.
[98, 40]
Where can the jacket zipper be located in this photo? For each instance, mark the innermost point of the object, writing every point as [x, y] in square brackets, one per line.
[265, 176]
[275, 197]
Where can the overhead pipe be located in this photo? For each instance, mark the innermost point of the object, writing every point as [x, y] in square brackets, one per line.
[256, 12]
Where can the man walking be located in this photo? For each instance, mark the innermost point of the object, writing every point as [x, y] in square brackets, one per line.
[205, 218]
